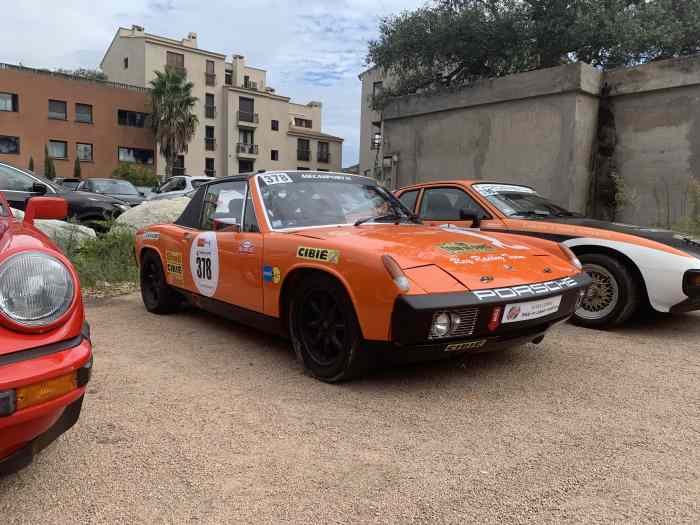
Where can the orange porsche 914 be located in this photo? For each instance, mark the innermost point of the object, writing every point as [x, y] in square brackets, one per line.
[336, 263]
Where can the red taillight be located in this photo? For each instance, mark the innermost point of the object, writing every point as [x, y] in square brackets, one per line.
[495, 321]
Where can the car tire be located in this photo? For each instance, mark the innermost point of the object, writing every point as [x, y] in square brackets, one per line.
[158, 297]
[324, 330]
[614, 296]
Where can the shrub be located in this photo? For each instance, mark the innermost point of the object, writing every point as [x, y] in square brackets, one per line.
[49, 168]
[76, 169]
[31, 164]
[136, 175]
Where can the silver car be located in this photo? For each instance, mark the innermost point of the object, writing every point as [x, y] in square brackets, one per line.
[178, 186]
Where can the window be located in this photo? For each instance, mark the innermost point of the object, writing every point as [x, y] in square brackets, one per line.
[175, 60]
[179, 166]
[14, 180]
[9, 102]
[303, 149]
[408, 199]
[302, 122]
[137, 155]
[446, 204]
[83, 113]
[209, 76]
[209, 107]
[58, 110]
[275, 125]
[84, 152]
[324, 152]
[133, 119]
[126, 62]
[247, 111]
[274, 154]
[223, 202]
[9, 145]
[58, 149]
[377, 89]
[245, 136]
[209, 140]
[209, 169]
[250, 221]
[228, 78]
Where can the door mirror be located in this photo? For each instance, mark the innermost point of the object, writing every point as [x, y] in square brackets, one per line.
[45, 208]
[475, 216]
[39, 188]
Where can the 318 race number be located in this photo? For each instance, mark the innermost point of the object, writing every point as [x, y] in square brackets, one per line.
[204, 268]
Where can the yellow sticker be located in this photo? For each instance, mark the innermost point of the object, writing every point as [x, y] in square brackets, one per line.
[464, 247]
[276, 275]
[318, 254]
[174, 263]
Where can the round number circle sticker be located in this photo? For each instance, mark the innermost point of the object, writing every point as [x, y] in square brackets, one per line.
[204, 263]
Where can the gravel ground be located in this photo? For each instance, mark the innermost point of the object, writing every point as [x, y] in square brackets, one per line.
[193, 419]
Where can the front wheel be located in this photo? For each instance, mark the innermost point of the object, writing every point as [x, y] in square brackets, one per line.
[324, 330]
[614, 295]
[158, 297]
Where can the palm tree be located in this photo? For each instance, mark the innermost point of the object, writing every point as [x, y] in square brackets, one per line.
[172, 120]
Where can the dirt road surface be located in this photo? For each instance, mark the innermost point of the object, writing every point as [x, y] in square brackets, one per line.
[193, 419]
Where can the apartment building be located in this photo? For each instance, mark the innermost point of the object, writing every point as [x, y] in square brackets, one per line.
[99, 123]
[244, 125]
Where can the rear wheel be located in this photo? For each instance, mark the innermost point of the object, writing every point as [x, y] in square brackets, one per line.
[614, 295]
[158, 297]
[324, 330]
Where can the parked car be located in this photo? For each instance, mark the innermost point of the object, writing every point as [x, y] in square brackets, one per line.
[69, 184]
[338, 264]
[89, 209]
[45, 349]
[178, 186]
[119, 189]
[629, 265]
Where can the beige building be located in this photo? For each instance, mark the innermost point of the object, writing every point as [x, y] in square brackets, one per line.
[373, 162]
[244, 125]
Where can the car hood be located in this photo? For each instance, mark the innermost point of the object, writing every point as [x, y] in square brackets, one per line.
[476, 259]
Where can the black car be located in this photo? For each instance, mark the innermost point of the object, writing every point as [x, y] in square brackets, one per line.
[119, 189]
[90, 209]
[69, 184]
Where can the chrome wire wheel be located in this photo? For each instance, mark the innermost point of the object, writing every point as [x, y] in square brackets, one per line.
[602, 296]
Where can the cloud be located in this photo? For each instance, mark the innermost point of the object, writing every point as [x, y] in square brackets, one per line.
[312, 50]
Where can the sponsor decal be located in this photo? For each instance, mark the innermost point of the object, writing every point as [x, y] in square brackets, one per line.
[478, 259]
[473, 233]
[174, 267]
[272, 274]
[469, 345]
[494, 189]
[246, 247]
[526, 290]
[151, 236]
[204, 263]
[276, 178]
[322, 176]
[318, 254]
[464, 247]
[532, 310]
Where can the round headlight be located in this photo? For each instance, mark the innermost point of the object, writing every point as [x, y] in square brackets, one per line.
[441, 324]
[36, 289]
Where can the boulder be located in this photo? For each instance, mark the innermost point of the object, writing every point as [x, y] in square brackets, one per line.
[60, 232]
[153, 212]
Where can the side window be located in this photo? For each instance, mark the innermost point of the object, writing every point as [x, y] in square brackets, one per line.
[408, 199]
[445, 204]
[223, 202]
[250, 221]
[172, 184]
[13, 180]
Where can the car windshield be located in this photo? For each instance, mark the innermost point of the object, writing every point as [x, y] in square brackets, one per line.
[119, 187]
[294, 200]
[520, 201]
[70, 184]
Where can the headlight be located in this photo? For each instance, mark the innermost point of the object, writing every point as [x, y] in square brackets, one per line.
[571, 256]
[441, 324]
[36, 289]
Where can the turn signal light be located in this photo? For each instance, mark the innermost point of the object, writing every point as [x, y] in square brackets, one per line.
[397, 275]
[38, 393]
[495, 321]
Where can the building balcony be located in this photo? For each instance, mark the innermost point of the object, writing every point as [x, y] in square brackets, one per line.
[210, 111]
[250, 85]
[324, 156]
[247, 119]
[246, 150]
[210, 144]
[304, 154]
[210, 79]
[178, 69]
[178, 171]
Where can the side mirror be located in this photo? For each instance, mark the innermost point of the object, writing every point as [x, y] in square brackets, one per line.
[475, 216]
[45, 208]
[39, 188]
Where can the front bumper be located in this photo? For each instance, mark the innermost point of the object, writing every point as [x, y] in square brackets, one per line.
[413, 316]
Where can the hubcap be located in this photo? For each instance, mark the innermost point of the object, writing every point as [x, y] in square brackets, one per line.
[322, 327]
[602, 296]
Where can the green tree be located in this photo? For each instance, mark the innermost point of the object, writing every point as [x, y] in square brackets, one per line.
[136, 174]
[76, 169]
[31, 164]
[172, 119]
[49, 168]
[91, 74]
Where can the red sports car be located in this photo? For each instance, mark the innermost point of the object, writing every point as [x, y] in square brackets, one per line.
[45, 350]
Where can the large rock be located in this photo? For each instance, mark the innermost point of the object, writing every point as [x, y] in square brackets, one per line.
[153, 212]
[61, 232]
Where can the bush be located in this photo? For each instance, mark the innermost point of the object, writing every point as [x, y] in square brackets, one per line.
[136, 175]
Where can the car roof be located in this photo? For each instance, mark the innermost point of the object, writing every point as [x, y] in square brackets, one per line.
[465, 182]
[248, 175]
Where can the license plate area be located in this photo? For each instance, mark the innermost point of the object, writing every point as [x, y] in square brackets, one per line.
[526, 311]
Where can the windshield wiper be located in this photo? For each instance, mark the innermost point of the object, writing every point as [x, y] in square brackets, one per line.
[530, 213]
[393, 216]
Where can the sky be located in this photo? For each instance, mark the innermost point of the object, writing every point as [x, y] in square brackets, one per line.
[311, 49]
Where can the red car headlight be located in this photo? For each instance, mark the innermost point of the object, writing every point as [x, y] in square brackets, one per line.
[36, 290]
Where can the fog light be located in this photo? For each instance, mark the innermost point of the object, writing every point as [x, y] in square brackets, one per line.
[441, 324]
[7, 402]
[455, 320]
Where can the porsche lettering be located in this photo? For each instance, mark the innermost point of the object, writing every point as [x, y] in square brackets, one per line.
[527, 290]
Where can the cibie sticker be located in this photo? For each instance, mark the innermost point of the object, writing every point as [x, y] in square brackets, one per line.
[318, 254]
[276, 178]
[465, 247]
[204, 263]
[151, 236]
[173, 262]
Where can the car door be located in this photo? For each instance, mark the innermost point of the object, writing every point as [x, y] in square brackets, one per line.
[440, 205]
[18, 187]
